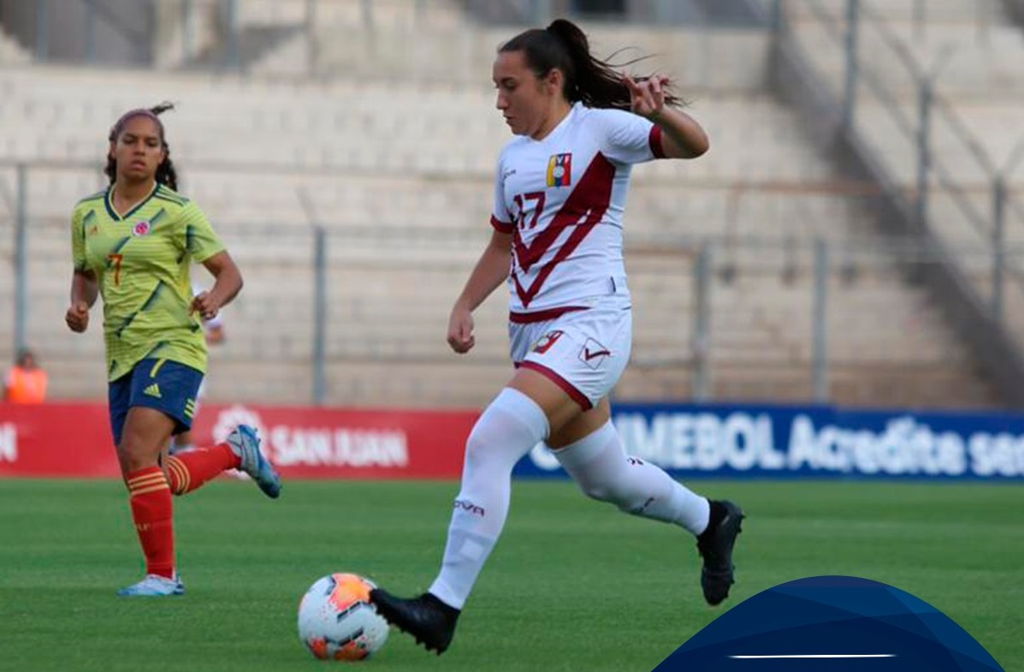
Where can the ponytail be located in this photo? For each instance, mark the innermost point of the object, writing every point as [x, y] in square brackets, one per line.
[563, 46]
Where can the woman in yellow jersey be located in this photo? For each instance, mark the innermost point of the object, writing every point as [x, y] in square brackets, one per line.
[133, 244]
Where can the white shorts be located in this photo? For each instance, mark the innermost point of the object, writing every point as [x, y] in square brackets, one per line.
[583, 351]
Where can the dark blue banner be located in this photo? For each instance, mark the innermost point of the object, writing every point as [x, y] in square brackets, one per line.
[760, 441]
[832, 624]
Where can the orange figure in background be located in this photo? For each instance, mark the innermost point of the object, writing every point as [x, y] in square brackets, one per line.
[26, 382]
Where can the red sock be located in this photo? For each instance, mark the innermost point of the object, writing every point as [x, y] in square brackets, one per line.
[191, 469]
[153, 514]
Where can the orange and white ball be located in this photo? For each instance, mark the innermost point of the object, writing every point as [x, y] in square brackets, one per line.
[337, 620]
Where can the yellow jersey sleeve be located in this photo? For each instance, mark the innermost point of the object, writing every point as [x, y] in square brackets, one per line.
[201, 241]
[78, 240]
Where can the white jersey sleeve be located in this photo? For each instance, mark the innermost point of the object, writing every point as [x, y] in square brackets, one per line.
[501, 219]
[628, 137]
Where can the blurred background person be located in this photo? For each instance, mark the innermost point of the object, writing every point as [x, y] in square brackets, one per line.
[26, 381]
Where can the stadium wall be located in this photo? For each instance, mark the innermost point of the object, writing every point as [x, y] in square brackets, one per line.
[730, 441]
[122, 29]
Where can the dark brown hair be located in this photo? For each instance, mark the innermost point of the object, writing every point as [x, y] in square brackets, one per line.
[564, 46]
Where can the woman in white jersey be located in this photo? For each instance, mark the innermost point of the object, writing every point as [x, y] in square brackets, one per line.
[560, 190]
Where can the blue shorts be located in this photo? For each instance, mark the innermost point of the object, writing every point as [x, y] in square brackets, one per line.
[169, 387]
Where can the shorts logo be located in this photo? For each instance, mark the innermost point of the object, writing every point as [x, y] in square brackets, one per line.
[546, 341]
[152, 391]
[560, 170]
[141, 229]
[190, 408]
[593, 353]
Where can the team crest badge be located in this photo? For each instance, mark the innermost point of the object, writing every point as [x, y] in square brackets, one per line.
[560, 170]
[546, 341]
[141, 228]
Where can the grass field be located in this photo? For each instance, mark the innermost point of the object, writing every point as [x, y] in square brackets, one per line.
[573, 585]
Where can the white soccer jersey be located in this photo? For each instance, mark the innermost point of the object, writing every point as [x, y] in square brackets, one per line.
[563, 197]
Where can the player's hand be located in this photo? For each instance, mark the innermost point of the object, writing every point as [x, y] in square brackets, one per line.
[460, 330]
[206, 305]
[77, 317]
[647, 97]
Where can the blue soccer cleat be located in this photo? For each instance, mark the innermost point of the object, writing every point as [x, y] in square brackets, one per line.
[245, 442]
[154, 585]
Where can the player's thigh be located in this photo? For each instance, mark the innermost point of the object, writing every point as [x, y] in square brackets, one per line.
[581, 426]
[145, 434]
[571, 368]
[118, 402]
[169, 387]
[558, 406]
[162, 402]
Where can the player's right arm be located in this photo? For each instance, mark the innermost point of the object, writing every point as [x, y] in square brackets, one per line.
[85, 285]
[491, 270]
[84, 289]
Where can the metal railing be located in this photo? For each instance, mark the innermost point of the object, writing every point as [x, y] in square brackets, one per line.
[720, 303]
[965, 215]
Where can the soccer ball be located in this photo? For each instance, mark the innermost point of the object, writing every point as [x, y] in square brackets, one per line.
[337, 620]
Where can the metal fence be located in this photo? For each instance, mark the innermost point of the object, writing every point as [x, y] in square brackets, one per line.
[979, 218]
[931, 155]
[330, 309]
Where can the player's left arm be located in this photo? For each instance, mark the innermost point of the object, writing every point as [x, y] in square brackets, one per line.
[205, 247]
[227, 283]
[681, 136]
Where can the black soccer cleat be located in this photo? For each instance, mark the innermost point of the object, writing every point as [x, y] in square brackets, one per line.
[430, 621]
[715, 546]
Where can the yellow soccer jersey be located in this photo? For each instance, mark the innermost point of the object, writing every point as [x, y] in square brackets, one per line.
[142, 261]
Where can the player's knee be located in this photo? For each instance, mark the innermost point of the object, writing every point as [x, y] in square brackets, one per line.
[599, 491]
[613, 492]
[509, 427]
[135, 454]
[480, 446]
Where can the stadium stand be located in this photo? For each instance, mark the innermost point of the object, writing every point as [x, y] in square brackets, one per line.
[970, 50]
[394, 158]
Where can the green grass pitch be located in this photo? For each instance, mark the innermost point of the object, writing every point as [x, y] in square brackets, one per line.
[573, 584]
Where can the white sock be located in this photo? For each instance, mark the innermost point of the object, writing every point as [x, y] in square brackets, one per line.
[508, 428]
[601, 468]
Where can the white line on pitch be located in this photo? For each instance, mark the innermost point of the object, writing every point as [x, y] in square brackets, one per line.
[820, 655]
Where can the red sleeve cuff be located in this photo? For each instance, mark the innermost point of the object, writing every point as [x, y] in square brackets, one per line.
[500, 226]
[654, 140]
